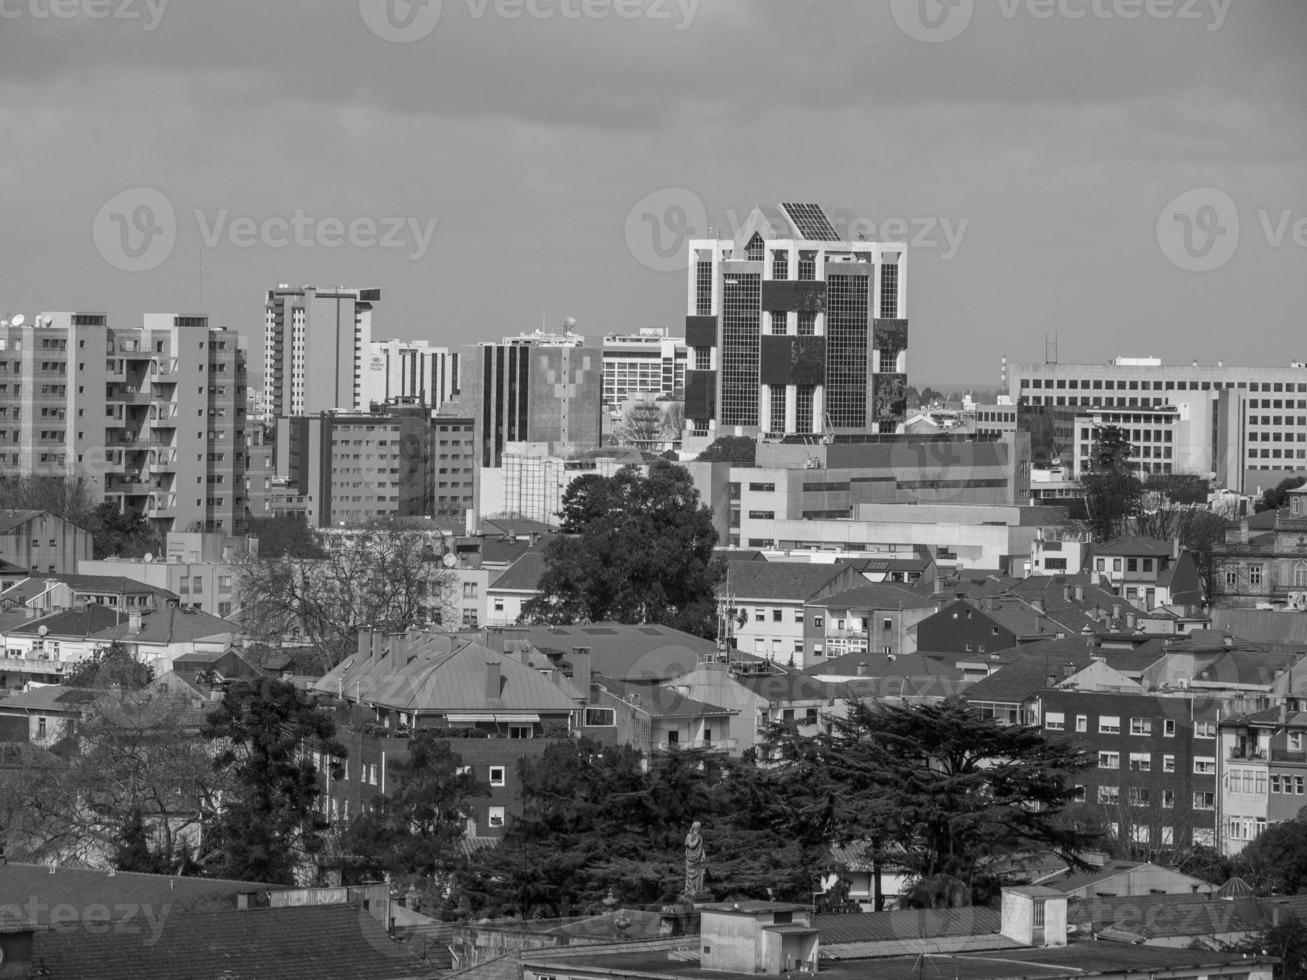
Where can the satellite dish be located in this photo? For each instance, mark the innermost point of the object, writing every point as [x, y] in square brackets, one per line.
[148, 558]
[449, 561]
[42, 630]
[18, 320]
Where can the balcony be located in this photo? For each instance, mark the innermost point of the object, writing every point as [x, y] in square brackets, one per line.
[1247, 755]
[1289, 755]
[712, 745]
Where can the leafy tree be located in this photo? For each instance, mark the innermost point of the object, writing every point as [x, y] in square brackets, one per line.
[936, 789]
[642, 425]
[109, 667]
[1199, 530]
[730, 449]
[135, 758]
[385, 577]
[1184, 489]
[416, 828]
[639, 551]
[1276, 862]
[69, 498]
[1112, 491]
[284, 537]
[1278, 496]
[120, 534]
[674, 421]
[1288, 942]
[268, 827]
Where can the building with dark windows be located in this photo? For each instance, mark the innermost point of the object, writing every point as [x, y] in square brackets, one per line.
[795, 329]
[543, 388]
[409, 371]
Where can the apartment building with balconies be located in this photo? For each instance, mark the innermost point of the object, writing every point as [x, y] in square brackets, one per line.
[151, 418]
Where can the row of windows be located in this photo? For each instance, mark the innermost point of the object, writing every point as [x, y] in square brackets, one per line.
[1143, 762]
[1121, 384]
[1111, 725]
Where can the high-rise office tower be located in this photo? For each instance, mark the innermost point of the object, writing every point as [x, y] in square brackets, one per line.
[411, 370]
[152, 418]
[314, 345]
[532, 388]
[795, 330]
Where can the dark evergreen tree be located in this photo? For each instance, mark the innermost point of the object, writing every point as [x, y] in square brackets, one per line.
[1112, 491]
[730, 449]
[269, 823]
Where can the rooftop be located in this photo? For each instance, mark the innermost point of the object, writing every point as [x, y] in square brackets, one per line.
[780, 580]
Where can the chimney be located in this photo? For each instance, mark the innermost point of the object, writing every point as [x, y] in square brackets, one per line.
[470, 523]
[1039, 624]
[1243, 531]
[1080, 593]
[581, 670]
[1116, 610]
[133, 622]
[396, 644]
[1131, 620]
[363, 650]
[939, 584]
[1284, 717]
[1068, 669]
[1175, 548]
[494, 679]
[244, 901]
[1066, 593]
[862, 668]
[1038, 603]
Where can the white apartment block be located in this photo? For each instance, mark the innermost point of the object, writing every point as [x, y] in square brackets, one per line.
[314, 345]
[650, 362]
[1245, 426]
[412, 370]
[152, 418]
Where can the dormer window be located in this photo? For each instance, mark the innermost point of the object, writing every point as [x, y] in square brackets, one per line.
[756, 250]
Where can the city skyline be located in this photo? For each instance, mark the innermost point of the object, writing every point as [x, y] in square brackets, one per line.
[1049, 180]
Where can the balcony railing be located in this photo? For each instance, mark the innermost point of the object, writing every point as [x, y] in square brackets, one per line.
[1289, 755]
[712, 745]
[1248, 755]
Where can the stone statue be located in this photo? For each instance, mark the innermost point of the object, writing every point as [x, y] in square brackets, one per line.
[695, 859]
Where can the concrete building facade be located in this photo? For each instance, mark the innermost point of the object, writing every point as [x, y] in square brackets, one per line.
[151, 417]
[644, 363]
[314, 346]
[412, 370]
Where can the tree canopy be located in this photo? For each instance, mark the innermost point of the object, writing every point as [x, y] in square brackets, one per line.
[268, 824]
[110, 667]
[1276, 862]
[416, 828]
[1112, 491]
[1278, 496]
[638, 549]
[936, 789]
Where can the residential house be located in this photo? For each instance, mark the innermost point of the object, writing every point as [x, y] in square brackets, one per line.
[866, 618]
[615, 650]
[767, 603]
[1119, 879]
[513, 588]
[998, 622]
[43, 715]
[40, 543]
[1263, 561]
[50, 593]
[653, 716]
[198, 569]
[1148, 572]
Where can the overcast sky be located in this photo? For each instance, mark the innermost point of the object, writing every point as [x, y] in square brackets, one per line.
[1033, 150]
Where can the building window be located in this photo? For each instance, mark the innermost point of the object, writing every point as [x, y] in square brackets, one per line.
[495, 816]
[1204, 765]
[1055, 721]
[1204, 801]
[1204, 729]
[1168, 763]
[1109, 724]
[496, 775]
[1082, 723]
[600, 717]
[1141, 762]
[1109, 795]
[1140, 796]
[469, 590]
[1168, 728]
[1255, 575]
[1141, 726]
[520, 731]
[1109, 760]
